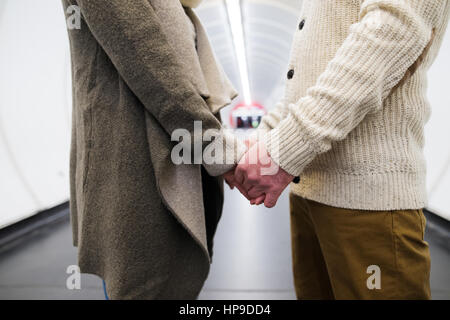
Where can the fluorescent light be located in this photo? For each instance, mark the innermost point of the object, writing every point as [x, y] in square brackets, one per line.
[237, 31]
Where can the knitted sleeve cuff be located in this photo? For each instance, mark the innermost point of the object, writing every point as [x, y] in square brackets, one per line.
[288, 147]
[274, 117]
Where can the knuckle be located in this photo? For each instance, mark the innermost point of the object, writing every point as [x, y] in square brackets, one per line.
[252, 177]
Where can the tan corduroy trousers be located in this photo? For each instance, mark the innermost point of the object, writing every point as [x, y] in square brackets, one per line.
[358, 254]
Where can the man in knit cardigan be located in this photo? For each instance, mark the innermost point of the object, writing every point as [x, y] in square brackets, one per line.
[351, 126]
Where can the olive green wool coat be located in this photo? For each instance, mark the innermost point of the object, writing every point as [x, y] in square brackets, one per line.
[139, 72]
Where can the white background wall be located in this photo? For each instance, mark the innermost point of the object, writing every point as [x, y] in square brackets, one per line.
[437, 146]
[35, 112]
[34, 108]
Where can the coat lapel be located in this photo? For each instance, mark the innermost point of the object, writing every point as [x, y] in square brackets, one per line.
[180, 34]
[196, 57]
[221, 91]
[180, 186]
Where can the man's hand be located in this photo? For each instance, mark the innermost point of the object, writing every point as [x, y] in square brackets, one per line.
[252, 140]
[260, 176]
[230, 179]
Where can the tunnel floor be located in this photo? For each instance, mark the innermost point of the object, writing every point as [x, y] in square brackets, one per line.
[252, 260]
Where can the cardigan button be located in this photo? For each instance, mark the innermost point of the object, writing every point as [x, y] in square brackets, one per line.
[296, 180]
[302, 24]
[290, 74]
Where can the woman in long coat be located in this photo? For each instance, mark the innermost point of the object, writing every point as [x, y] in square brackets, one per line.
[142, 69]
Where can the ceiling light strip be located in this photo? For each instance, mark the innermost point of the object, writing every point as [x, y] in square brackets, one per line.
[237, 31]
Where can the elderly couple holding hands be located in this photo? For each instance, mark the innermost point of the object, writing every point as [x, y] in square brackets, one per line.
[350, 124]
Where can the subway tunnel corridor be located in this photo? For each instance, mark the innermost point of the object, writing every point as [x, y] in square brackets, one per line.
[252, 249]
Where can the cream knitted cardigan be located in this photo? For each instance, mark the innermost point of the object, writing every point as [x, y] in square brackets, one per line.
[352, 120]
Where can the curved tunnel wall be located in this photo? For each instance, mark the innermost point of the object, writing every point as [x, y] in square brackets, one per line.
[34, 108]
[35, 95]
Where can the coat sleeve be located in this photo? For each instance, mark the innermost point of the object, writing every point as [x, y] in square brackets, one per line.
[388, 39]
[130, 33]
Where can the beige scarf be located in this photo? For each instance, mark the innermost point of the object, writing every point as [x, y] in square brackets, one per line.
[190, 3]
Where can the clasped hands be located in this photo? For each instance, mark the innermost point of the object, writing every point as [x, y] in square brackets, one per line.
[258, 177]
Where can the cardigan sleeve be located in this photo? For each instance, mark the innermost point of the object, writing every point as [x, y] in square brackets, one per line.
[130, 33]
[379, 49]
[273, 117]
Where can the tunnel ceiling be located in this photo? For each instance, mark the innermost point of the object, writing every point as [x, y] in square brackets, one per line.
[268, 27]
